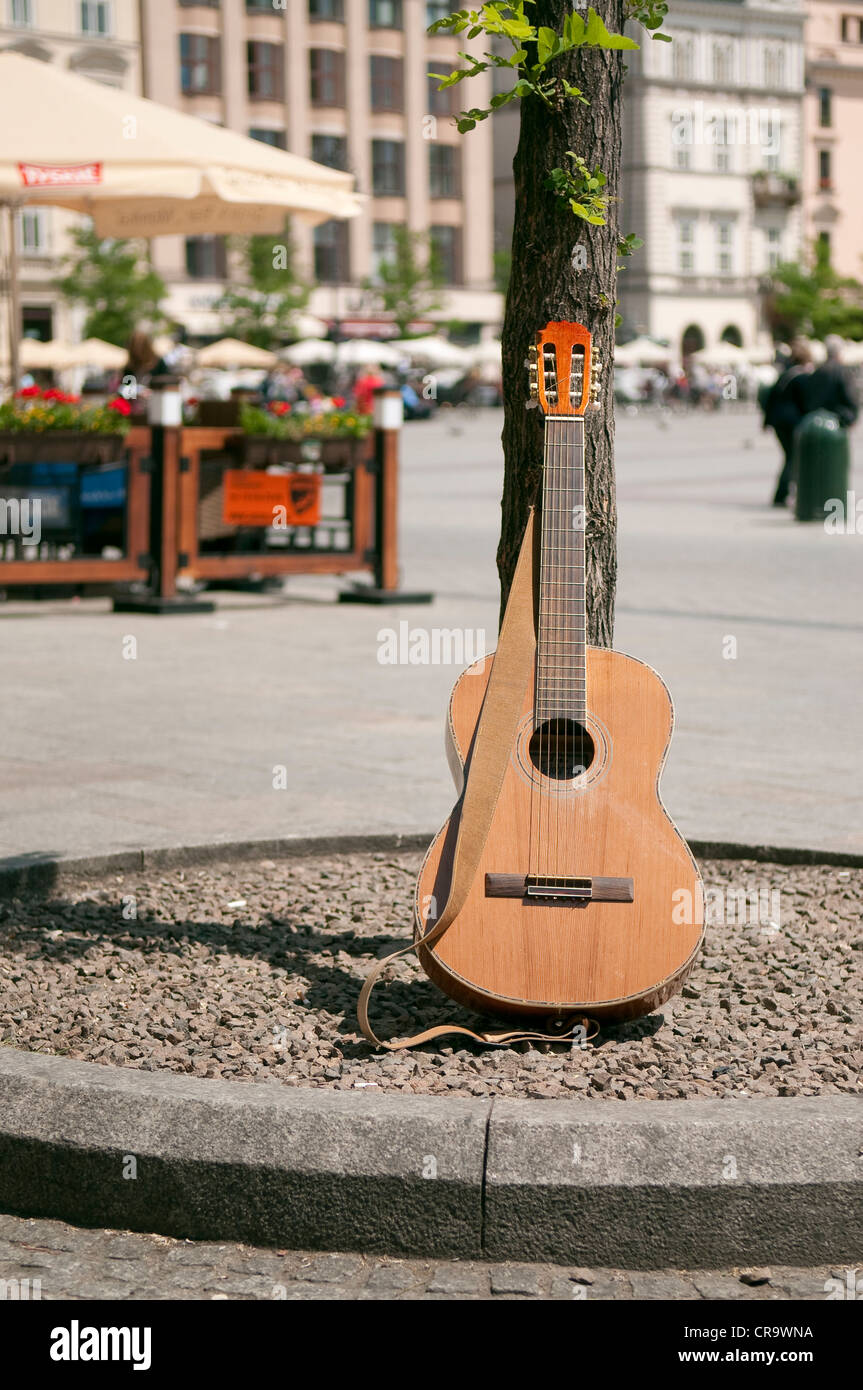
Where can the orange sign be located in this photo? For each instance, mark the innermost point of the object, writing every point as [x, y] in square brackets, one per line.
[271, 499]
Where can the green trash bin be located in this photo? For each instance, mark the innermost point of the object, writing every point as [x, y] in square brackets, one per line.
[821, 457]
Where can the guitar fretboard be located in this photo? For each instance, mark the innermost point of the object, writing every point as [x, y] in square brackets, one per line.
[562, 634]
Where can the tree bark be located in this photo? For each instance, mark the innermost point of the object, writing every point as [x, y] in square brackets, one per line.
[546, 285]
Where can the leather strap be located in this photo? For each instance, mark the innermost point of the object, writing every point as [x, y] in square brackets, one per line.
[486, 768]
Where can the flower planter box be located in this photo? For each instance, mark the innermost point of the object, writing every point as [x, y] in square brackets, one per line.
[59, 446]
[262, 451]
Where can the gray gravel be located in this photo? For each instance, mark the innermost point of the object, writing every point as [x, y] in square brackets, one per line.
[250, 971]
[67, 1262]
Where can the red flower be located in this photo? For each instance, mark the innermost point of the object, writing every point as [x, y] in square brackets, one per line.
[280, 407]
[28, 392]
[121, 406]
[339, 402]
[192, 401]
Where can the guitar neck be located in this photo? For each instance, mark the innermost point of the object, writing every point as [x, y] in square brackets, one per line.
[561, 667]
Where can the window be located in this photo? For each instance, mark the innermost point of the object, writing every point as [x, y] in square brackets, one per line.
[388, 168]
[327, 9]
[438, 9]
[383, 246]
[259, 6]
[387, 83]
[331, 150]
[825, 107]
[277, 138]
[95, 17]
[774, 66]
[723, 61]
[206, 258]
[200, 65]
[683, 58]
[774, 247]
[824, 244]
[266, 71]
[446, 253]
[724, 244]
[852, 29]
[685, 245]
[444, 171]
[825, 169]
[32, 237]
[724, 133]
[207, 4]
[327, 76]
[681, 157]
[385, 14]
[21, 13]
[773, 162]
[331, 253]
[440, 103]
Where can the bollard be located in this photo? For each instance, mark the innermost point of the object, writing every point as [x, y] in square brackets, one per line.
[821, 458]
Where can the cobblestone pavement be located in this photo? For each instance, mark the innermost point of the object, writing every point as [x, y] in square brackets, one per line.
[752, 619]
[72, 1263]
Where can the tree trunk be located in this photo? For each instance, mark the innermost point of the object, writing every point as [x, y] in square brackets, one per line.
[546, 284]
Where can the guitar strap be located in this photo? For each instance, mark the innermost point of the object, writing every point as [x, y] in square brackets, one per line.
[489, 758]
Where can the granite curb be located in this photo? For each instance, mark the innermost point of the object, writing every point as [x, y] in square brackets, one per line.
[653, 1184]
[37, 873]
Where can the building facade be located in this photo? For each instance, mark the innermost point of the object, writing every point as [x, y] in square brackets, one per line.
[832, 183]
[96, 39]
[712, 165]
[343, 82]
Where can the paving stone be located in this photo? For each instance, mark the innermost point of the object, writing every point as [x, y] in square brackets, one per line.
[523, 1279]
[459, 1279]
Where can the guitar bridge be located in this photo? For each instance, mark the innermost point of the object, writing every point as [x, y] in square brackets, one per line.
[545, 886]
[557, 888]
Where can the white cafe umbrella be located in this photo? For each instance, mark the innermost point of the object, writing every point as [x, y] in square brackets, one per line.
[52, 356]
[485, 354]
[366, 352]
[95, 352]
[310, 350]
[432, 351]
[642, 352]
[308, 326]
[230, 352]
[722, 355]
[140, 169]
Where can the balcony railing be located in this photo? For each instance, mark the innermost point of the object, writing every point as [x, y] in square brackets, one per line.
[775, 190]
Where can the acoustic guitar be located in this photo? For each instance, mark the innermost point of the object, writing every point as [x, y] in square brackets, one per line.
[584, 897]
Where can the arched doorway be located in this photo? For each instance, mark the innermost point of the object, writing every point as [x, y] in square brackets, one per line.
[692, 340]
[731, 334]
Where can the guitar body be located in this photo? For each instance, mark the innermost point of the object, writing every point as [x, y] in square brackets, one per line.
[523, 957]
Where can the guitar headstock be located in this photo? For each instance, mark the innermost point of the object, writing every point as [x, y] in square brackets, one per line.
[562, 370]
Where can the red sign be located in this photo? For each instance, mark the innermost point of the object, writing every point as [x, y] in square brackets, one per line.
[60, 175]
[271, 499]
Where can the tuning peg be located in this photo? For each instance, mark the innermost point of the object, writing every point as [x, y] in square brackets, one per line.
[594, 401]
[532, 365]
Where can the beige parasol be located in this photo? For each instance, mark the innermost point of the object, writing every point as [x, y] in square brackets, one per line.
[140, 169]
[230, 352]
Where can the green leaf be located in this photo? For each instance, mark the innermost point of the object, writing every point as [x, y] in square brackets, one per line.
[598, 36]
[546, 44]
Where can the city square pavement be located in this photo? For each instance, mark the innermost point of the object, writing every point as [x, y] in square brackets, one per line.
[753, 620]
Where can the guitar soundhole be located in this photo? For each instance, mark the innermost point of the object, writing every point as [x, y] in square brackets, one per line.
[561, 749]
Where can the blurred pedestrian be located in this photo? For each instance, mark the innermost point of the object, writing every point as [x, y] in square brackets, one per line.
[828, 387]
[364, 389]
[144, 361]
[783, 413]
